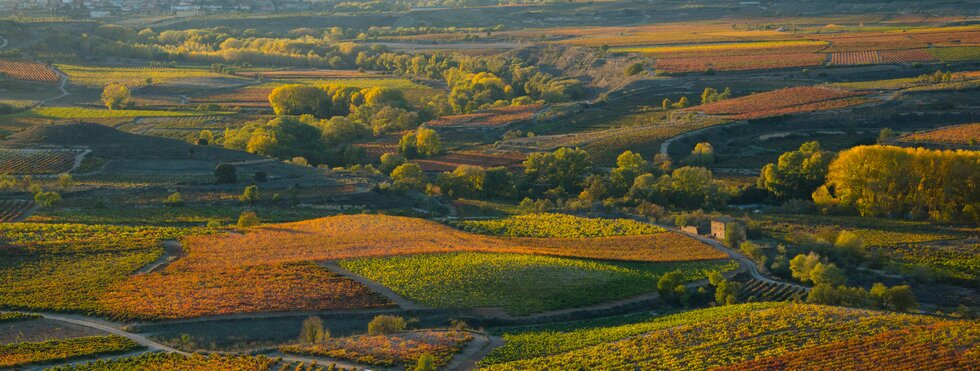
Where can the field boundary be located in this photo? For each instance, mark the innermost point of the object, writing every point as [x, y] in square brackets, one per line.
[383, 290]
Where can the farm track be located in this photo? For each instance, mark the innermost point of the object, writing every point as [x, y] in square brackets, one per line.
[743, 260]
[172, 250]
[3, 42]
[476, 350]
[399, 300]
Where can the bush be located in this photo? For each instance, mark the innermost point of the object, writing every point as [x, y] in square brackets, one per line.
[226, 173]
[248, 219]
[386, 324]
[174, 200]
[313, 331]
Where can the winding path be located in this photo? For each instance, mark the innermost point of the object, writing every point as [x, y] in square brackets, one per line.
[172, 250]
[112, 328]
[743, 260]
[399, 300]
[3, 42]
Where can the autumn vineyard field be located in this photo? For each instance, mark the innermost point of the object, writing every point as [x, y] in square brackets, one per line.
[30, 71]
[389, 350]
[36, 161]
[12, 355]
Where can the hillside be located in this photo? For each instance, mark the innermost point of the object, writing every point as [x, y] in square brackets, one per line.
[752, 337]
[114, 144]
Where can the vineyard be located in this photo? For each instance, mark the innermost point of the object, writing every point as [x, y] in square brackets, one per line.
[450, 162]
[559, 225]
[968, 134]
[172, 361]
[941, 346]
[958, 54]
[29, 71]
[768, 48]
[80, 262]
[17, 316]
[95, 113]
[722, 336]
[520, 284]
[490, 118]
[388, 350]
[11, 210]
[97, 77]
[756, 290]
[781, 102]
[740, 62]
[19, 354]
[36, 161]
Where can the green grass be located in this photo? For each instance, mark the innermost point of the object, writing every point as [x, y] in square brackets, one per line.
[520, 284]
[95, 113]
[559, 225]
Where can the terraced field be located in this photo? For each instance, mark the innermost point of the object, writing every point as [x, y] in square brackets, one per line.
[36, 161]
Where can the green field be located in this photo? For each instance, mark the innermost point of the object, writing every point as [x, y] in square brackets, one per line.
[559, 225]
[957, 54]
[520, 284]
[99, 76]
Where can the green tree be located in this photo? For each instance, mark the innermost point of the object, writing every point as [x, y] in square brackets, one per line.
[901, 298]
[313, 331]
[46, 199]
[726, 292]
[426, 362]
[389, 161]
[174, 200]
[668, 282]
[408, 176]
[801, 265]
[408, 146]
[116, 96]
[633, 69]
[565, 167]
[427, 142]
[753, 251]
[248, 219]
[65, 180]
[629, 165]
[797, 173]
[250, 195]
[298, 99]
[827, 274]
[386, 324]
[338, 131]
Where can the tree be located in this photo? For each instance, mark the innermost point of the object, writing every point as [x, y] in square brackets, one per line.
[427, 142]
[668, 282]
[726, 292]
[886, 136]
[426, 362]
[407, 176]
[801, 265]
[827, 274]
[629, 165]
[703, 154]
[46, 199]
[339, 131]
[248, 219]
[386, 324]
[633, 69]
[116, 96]
[901, 298]
[389, 161]
[753, 251]
[888, 181]
[65, 180]
[681, 103]
[225, 173]
[797, 173]
[250, 195]
[565, 167]
[666, 103]
[313, 331]
[174, 200]
[408, 146]
[498, 182]
[295, 99]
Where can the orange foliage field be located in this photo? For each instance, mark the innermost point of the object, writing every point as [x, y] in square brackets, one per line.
[783, 101]
[30, 71]
[740, 62]
[270, 268]
[959, 134]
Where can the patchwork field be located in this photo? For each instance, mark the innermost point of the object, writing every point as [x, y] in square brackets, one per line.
[270, 268]
[36, 161]
[99, 76]
[19, 354]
